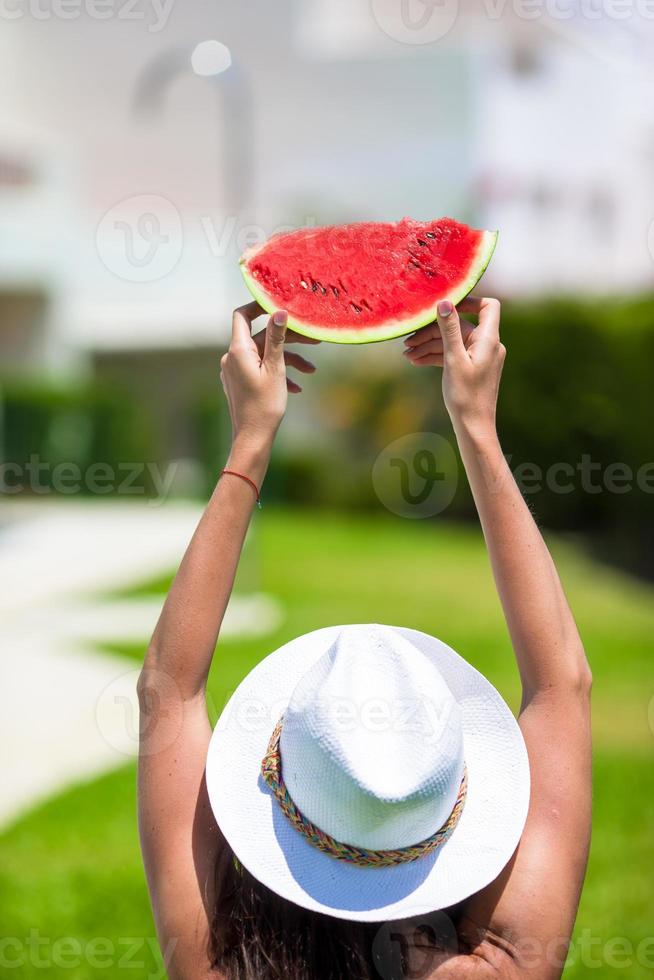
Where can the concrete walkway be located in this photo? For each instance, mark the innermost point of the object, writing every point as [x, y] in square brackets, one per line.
[68, 712]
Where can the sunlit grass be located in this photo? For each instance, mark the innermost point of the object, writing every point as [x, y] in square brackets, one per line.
[72, 868]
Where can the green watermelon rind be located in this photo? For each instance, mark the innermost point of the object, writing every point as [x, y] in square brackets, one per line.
[386, 331]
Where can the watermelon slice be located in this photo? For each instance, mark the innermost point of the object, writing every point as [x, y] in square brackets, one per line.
[358, 283]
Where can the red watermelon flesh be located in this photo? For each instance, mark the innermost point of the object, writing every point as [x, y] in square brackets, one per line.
[367, 281]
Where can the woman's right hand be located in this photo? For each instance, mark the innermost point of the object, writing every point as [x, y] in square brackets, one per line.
[253, 373]
[471, 357]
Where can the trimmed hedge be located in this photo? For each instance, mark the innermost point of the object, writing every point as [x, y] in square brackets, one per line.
[575, 419]
[578, 391]
[67, 440]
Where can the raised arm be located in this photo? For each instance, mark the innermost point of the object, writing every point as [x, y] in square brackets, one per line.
[527, 915]
[179, 838]
[545, 639]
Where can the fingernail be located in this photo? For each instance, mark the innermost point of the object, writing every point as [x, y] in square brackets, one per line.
[445, 308]
[280, 317]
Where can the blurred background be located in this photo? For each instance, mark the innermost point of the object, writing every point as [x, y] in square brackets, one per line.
[143, 147]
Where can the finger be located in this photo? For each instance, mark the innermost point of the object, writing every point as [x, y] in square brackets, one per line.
[275, 336]
[293, 387]
[429, 332]
[433, 334]
[471, 304]
[242, 321]
[291, 359]
[260, 341]
[429, 360]
[292, 337]
[467, 332]
[487, 332]
[431, 347]
[450, 328]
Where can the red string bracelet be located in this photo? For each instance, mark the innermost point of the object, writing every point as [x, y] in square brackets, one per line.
[247, 479]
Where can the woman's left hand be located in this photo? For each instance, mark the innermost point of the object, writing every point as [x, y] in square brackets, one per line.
[253, 373]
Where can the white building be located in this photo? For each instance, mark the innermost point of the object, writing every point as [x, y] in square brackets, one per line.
[37, 236]
[557, 128]
[566, 137]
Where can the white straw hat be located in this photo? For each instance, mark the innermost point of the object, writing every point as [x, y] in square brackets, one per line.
[369, 773]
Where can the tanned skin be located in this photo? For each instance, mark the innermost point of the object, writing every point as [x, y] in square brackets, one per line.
[517, 927]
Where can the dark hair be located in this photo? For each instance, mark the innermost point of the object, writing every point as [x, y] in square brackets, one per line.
[257, 935]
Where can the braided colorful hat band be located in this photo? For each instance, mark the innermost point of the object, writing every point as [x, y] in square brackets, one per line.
[271, 770]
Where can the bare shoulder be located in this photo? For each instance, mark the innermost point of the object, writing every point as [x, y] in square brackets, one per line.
[528, 913]
[449, 945]
[487, 961]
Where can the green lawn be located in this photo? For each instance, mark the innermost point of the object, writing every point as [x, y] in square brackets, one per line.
[70, 872]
